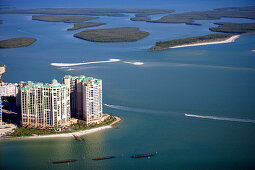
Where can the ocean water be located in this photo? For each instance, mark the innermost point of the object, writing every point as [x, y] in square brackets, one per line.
[214, 80]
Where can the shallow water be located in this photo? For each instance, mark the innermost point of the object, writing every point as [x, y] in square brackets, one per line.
[215, 80]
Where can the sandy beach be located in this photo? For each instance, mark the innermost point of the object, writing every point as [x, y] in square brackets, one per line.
[68, 135]
[229, 40]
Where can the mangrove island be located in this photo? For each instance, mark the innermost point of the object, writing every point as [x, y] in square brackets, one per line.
[121, 34]
[85, 25]
[161, 45]
[17, 42]
[62, 18]
[238, 28]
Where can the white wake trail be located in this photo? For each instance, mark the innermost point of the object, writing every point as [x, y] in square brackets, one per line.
[221, 118]
[135, 109]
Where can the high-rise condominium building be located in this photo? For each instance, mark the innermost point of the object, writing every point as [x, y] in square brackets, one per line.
[86, 97]
[45, 105]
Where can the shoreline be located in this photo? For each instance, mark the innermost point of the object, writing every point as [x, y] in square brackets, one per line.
[229, 40]
[67, 135]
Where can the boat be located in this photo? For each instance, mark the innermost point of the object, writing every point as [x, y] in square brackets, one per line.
[102, 158]
[64, 161]
[142, 156]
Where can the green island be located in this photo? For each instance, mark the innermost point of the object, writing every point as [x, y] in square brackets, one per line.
[17, 42]
[86, 11]
[121, 34]
[25, 131]
[161, 45]
[85, 25]
[62, 18]
[238, 28]
[144, 16]
[190, 17]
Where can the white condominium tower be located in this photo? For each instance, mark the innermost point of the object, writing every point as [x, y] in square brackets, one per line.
[45, 105]
[86, 98]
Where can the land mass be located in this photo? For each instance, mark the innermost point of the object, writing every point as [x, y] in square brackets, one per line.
[239, 28]
[17, 42]
[62, 18]
[79, 130]
[85, 25]
[88, 11]
[190, 17]
[206, 39]
[122, 34]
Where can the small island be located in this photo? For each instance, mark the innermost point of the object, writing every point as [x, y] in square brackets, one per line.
[85, 25]
[62, 18]
[193, 41]
[238, 28]
[190, 17]
[122, 34]
[17, 42]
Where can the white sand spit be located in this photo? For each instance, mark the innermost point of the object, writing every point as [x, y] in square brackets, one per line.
[229, 40]
[77, 64]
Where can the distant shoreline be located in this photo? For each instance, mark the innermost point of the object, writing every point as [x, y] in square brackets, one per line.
[68, 135]
[229, 40]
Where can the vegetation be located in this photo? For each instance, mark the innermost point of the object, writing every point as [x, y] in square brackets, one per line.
[62, 18]
[144, 16]
[87, 11]
[189, 17]
[238, 28]
[17, 42]
[192, 40]
[122, 34]
[22, 131]
[85, 25]
[2, 65]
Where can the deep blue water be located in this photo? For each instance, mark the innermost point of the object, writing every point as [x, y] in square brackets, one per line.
[213, 80]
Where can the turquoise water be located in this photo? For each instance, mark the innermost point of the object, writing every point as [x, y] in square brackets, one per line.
[214, 80]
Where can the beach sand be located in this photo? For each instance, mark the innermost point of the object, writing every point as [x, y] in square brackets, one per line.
[68, 135]
[229, 40]
[77, 64]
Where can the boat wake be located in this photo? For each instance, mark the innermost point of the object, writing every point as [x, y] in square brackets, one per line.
[136, 109]
[134, 63]
[221, 118]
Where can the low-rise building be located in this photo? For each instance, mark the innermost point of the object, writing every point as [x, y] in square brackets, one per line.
[8, 89]
[0, 109]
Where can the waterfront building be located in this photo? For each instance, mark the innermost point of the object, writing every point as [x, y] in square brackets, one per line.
[0, 109]
[44, 105]
[8, 89]
[86, 100]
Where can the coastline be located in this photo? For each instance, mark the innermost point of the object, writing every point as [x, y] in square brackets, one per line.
[229, 40]
[68, 135]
